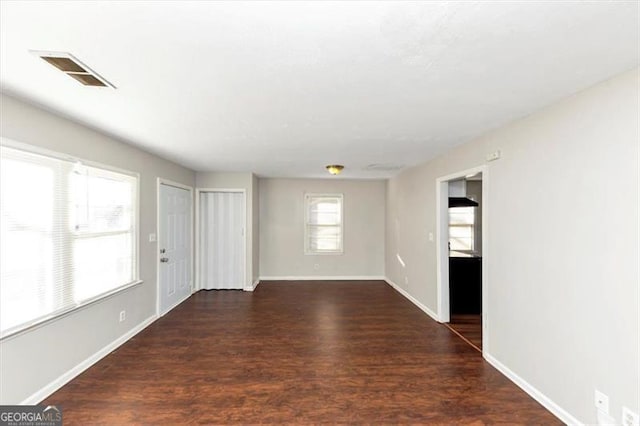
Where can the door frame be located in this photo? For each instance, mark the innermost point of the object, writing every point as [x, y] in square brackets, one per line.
[162, 181]
[198, 285]
[442, 248]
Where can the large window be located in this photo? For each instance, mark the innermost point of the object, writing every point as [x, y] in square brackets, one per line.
[323, 223]
[68, 235]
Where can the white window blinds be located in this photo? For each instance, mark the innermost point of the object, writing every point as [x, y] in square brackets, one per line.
[323, 223]
[68, 236]
[461, 228]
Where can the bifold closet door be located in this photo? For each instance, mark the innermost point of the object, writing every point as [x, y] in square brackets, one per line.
[222, 240]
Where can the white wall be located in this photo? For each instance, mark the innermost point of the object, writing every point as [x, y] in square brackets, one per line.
[31, 360]
[248, 182]
[562, 244]
[255, 231]
[282, 229]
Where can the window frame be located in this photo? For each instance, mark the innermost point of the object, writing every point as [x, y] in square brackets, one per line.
[470, 226]
[307, 250]
[135, 232]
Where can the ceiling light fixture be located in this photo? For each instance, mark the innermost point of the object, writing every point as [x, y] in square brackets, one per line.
[71, 66]
[335, 169]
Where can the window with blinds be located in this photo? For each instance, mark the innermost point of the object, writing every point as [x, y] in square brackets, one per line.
[68, 236]
[461, 228]
[323, 223]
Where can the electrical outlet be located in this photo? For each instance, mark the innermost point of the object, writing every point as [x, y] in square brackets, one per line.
[123, 315]
[406, 280]
[602, 402]
[430, 236]
[629, 418]
[152, 238]
[316, 266]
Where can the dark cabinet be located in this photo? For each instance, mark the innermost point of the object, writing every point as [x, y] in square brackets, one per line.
[465, 285]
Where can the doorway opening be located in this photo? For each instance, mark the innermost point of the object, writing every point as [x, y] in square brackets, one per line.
[461, 253]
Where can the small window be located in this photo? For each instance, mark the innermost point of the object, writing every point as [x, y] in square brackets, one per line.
[323, 224]
[461, 228]
[68, 236]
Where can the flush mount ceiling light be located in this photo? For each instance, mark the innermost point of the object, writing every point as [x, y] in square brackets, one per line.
[71, 66]
[335, 169]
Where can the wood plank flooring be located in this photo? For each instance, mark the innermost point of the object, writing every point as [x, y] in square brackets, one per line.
[296, 353]
[469, 327]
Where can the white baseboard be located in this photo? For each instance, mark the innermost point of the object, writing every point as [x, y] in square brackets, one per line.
[47, 390]
[412, 299]
[253, 286]
[325, 278]
[545, 401]
[160, 314]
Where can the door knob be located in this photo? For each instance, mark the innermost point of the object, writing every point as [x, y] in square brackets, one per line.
[164, 259]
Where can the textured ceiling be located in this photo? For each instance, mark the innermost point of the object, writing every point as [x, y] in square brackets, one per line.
[283, 88]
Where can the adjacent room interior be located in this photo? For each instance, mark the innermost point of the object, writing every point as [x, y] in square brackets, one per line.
[465, 258]
[320, 212]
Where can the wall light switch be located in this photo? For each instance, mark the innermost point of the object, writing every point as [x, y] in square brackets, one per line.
[430, 236]
[152, 238]
[602, 402]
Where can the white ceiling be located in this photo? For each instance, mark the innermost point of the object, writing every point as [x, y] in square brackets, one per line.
[284, 88]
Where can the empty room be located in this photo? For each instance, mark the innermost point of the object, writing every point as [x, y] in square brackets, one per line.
[310, 212]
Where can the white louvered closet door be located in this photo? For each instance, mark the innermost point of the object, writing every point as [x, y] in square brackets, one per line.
[222, 240]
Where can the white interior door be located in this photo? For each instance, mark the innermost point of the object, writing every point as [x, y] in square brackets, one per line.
[174, 242]
[222, 240]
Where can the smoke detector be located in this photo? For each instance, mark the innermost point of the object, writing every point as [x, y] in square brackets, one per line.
[74, 68]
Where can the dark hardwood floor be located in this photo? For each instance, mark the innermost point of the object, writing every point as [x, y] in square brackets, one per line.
[469, 327]
[296, 353]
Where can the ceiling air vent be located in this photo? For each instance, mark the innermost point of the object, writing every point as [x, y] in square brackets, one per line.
[384, 167]
[70, 65]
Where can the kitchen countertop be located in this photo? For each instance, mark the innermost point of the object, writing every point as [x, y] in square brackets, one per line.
[456, 253]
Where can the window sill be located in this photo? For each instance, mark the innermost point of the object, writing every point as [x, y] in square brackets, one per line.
[327, 253]
[61, 314]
